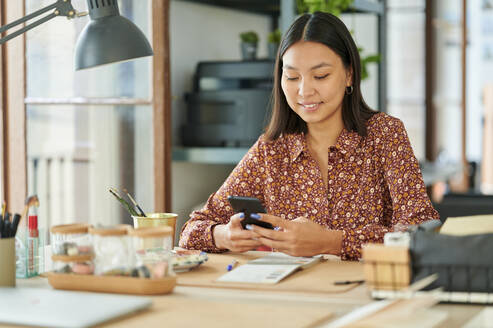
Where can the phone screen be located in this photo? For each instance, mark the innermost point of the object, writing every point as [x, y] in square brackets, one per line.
[249, 205]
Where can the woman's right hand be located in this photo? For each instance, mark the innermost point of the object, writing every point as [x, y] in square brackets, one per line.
[232, 236]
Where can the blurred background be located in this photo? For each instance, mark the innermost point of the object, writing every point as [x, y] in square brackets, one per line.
[429, 63]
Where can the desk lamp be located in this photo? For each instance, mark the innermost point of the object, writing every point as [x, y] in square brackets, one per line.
[107, 38]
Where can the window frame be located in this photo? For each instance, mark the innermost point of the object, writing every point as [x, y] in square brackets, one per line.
[13, 99]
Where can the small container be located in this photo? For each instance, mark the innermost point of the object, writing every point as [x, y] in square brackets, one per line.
[113, 250]
[71, 239]
[157, 220]
[152, 246]
[76, 264]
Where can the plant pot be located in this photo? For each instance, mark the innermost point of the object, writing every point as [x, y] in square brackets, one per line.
[248, 51]
[272, 49]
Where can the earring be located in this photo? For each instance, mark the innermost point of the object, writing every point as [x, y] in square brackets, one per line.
[349, 90]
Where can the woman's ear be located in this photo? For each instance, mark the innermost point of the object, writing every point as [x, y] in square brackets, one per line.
[349, 77]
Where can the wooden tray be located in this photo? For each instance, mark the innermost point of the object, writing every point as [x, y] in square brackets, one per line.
[112, 284]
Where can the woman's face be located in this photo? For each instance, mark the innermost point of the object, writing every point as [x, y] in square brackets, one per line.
[314, 81]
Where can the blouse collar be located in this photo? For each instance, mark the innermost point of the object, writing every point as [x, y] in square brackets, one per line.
[346, 143]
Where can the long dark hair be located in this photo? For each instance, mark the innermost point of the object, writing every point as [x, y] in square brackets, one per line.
[330, 31]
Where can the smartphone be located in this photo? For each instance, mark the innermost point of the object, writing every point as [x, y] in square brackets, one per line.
[249, 205]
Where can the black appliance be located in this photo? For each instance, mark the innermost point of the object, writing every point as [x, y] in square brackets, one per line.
[229, 103]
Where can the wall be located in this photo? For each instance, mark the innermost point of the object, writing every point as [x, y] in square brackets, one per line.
[364, 28]
[199, 33]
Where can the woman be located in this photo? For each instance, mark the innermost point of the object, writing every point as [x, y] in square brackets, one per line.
[332, 173]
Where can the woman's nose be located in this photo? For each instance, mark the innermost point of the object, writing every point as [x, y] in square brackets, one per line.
[305, 89]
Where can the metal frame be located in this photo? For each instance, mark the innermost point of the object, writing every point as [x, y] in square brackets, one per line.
[62, 8]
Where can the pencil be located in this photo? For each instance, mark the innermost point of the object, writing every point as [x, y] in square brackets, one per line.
[134, 202]
[123, 202]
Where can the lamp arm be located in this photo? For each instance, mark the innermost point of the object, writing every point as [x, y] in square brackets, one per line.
[62, 8]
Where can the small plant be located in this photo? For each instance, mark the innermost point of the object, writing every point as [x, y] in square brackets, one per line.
[335, 7]
[365, 61]
[249, 37]
[274, 37]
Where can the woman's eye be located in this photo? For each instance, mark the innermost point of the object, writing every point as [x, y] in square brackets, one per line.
[321, 77]
[291, 78]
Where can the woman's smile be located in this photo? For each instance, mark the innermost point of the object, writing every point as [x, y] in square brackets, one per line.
[310, 106]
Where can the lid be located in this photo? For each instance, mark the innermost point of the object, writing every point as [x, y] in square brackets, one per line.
[70, 228]
[116, 230]
[72, 258]
[144, 232]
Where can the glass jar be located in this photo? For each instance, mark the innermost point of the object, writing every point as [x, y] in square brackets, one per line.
[77, 264]
[152, 246]
[71, 239]
[113, 250]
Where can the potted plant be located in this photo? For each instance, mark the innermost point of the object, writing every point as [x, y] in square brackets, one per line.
[249, 41]
[273, 40]
[336, 7]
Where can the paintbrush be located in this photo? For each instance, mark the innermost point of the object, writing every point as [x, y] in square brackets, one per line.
[30, 201]
[123, 202]
[134, 202]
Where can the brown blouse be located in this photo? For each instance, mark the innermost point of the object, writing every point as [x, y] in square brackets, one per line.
[373, 184]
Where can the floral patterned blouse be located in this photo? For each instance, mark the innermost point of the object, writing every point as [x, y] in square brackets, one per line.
[373, 183]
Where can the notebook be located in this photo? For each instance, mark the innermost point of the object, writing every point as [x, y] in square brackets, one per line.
[269, 269]
[56, 308]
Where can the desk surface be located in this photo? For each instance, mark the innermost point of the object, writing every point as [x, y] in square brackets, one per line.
[206, 307]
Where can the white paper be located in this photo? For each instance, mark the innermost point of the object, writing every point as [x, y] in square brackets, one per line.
[281, 258]
[259, 273]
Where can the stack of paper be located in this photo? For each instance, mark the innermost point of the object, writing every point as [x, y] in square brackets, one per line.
[468, 225]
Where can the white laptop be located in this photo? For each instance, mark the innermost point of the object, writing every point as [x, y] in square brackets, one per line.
[56, 308]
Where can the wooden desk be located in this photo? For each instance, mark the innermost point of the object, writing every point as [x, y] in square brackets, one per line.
[228, 307]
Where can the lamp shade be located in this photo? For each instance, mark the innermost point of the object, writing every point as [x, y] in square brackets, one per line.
[109, 37]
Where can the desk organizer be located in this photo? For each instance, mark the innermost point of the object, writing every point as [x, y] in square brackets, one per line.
[464, 265]
[112, 284]
[386, 267]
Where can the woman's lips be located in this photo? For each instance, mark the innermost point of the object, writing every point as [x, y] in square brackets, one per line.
[310, 106]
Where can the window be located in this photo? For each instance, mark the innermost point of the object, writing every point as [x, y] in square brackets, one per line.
[406, 68]
[87, 130]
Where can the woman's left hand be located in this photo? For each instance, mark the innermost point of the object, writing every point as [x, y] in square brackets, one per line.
[300, 237]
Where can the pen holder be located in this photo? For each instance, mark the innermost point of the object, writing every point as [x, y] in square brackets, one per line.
[7, 262]
[29, 254]
[157, 220]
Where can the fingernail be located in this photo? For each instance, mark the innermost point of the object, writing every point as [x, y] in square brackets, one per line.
[242, 215]
[249, 227]
[255, 216]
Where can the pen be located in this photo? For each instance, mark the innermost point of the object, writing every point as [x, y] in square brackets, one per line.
[6, 226]
[4, 206]
[232, 265]
[348, 282]
[135, 203]
[15, 223]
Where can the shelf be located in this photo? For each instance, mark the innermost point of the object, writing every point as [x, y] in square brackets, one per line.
[209, 155]
[265, 7]
[223, 155]
[272, 7]
[365, 6]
